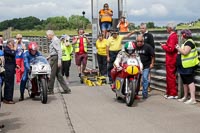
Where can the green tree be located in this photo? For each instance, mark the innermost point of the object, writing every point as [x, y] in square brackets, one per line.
[77, 21]
[150, 25]
[56, 23]
[20, 23]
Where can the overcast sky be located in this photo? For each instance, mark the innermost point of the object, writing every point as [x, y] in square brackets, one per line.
[158, 11]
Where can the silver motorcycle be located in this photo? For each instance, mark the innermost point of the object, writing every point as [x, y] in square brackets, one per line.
[37, 83]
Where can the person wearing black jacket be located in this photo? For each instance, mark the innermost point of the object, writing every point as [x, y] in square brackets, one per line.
[148, 37]
[10, 65]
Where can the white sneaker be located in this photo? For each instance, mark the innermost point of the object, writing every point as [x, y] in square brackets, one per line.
[190, 101]
[172, 97]
[183, 99]
[165, 96]
[175, 97]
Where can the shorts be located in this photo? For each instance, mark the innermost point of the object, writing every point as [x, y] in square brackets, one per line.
[187, 78]
[81, 58]
[105, 25]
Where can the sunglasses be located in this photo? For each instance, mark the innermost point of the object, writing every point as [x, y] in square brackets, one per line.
[139, 41]
[19, 38]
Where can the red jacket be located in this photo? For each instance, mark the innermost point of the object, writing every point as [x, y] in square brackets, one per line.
[170, 48]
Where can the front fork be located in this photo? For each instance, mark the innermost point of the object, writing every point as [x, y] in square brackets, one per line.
[126, 85]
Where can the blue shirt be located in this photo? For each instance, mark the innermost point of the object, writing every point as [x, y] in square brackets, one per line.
[1, 53]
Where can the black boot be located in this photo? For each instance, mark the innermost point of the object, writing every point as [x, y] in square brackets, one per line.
[21, 97]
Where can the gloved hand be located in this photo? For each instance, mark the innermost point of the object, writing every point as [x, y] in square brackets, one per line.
[59, 63]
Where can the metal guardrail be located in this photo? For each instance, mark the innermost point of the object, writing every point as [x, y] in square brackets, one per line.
[158, 73]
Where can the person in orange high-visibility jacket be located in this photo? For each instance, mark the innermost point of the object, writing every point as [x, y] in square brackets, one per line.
[123, 24]
[105, 16]
[171, 54]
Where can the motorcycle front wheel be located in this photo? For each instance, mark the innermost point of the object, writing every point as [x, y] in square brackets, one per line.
[131, 93]
[43, 91]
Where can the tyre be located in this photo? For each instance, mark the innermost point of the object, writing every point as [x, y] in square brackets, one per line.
[131, 93]
[43, 88]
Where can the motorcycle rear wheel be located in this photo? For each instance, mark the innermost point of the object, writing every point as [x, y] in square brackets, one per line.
[131, 93]
[44, 91]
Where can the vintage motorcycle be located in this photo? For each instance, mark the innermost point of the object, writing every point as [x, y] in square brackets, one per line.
[127, 81]
[37, 83]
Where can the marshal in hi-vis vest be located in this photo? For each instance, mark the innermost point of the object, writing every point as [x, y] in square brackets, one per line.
[104, 15]
[77, 48]
[191, 59]
[66, 52]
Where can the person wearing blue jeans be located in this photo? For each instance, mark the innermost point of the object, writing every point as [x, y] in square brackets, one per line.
[145, 82]
[147, 57]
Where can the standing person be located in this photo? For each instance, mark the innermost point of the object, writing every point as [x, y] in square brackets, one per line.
[105, 16]
[147, 57]
[10, 65]
[2, 59]
[148, 39]
[123, 24]
[113, 47]
[28, 56]
[171, 53]
[101, 54]
[187, 60]
[2, 74]
[55, 63]
[20, 47]
[67, 50]
[81, 42]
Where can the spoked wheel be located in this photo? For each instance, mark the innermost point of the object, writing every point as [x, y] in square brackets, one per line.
[131, 93]
[43, 88]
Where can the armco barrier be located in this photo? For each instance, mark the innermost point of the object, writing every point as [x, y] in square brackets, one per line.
[158, 73]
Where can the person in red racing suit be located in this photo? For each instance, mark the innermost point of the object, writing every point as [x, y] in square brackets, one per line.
[171, 53]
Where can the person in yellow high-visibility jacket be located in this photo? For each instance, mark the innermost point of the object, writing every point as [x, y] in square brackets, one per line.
[187, 61]
[80, 48]
[67, 50]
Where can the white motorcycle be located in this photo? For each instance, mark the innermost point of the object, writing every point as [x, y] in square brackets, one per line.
[37, 83]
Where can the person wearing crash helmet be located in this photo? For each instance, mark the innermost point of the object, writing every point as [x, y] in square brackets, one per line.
[128, 52]
[114, 45]
[28, 56]
[67, 50]
[187, 61]
[147, 55]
